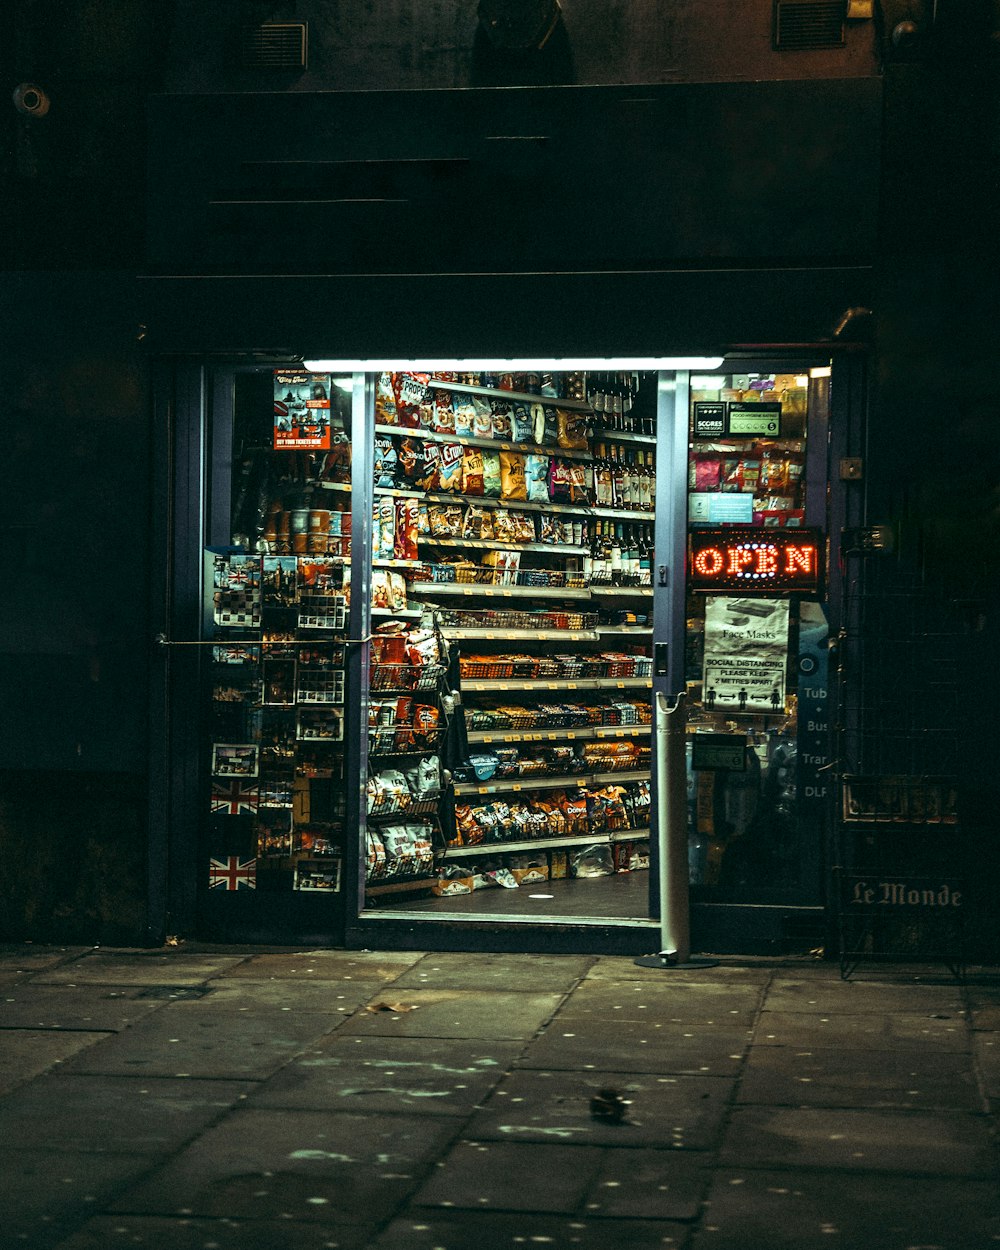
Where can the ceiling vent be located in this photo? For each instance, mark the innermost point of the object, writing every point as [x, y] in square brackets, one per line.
[800, 25]
[276, 45]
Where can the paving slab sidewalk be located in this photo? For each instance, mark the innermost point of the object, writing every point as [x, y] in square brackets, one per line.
[230, 1097]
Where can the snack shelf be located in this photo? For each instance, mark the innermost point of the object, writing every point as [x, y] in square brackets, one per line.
[505, 592]
[341, 486]
[625, 631]
[578, 405]
[542, 844]
[522, 635]
[490, 444]
[502, 685]
[585, 734]
[575, 781]
[397, 564]
[518, 505]
[409, 614]
[526, 844]
[492, 544]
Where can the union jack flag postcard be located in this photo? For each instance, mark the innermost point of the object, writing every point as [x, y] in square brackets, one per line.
[232, 873]
[235, 797]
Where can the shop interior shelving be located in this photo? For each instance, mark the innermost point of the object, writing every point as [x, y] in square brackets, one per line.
[454, 606]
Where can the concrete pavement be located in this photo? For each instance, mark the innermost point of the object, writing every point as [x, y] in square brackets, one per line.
[222, 1098]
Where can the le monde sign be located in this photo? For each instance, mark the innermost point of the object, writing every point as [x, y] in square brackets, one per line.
[902, 893]
[755, 561]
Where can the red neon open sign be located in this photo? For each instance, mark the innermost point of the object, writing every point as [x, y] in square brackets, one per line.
[754, 560]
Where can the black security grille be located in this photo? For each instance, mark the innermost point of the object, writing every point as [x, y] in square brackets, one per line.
[276, 45]
[803, 24]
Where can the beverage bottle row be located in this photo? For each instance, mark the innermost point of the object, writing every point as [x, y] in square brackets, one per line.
[613, 398]
[621, 554]
[624, 478]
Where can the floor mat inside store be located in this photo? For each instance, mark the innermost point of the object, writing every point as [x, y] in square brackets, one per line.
[624, 895]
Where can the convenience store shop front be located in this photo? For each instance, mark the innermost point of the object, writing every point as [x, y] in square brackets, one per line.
[296, 795]
[433, 607]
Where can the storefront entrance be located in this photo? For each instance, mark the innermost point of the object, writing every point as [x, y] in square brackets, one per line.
[434, 606]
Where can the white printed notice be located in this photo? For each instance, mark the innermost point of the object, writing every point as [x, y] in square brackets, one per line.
[746, 650]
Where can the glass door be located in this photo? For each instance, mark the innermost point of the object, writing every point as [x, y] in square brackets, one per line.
[756, 632]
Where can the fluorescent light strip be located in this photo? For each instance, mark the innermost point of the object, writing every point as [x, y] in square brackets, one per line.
[638, 364]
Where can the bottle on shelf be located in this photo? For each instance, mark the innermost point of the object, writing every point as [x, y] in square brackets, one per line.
[603, 481]
[617, 477]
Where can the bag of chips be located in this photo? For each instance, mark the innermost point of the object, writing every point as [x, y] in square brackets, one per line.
[491, 474]
[472, 471]
[465, 417]
[571, 430]
[450, 468]
[521, 425]
[560, 490]
[503, 526]
[411, 391]
[536, 473]
[478, 523]
[512, 482]
[410, 460]
[482, 421]
[444, 413]
[385, 400]
[385, 460]
[524, 527]
[501, 419]
[432, 462]
[425, 778]
[552, 529]
[380, 588]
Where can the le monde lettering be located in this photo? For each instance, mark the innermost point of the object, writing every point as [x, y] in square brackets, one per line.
[900, 894]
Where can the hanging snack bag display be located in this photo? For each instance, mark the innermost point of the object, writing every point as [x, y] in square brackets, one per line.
[491, 474]
[465, 417]
[501, 419]
[512, 480]
[444, 413]
[473, 480]
[411, 393]
[521, 424]
[450, 468]
[385, 401]
[536, 472]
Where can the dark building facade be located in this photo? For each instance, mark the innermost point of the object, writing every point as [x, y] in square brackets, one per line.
[741, 177]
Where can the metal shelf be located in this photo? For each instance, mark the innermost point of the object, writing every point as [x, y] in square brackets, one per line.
[527, 592]
[491, 444]
[519, 505]
[410, 614]
[503, 592]
[514, 785]
[578, 405]
[504, 685]
[492, 544]
[494, 634]
[527, 844]
[586, 734]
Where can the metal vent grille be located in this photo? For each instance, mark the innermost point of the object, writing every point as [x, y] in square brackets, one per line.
[804, 24]
[276, 45]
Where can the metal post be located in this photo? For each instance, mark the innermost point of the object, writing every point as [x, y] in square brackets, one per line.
[671, 820]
